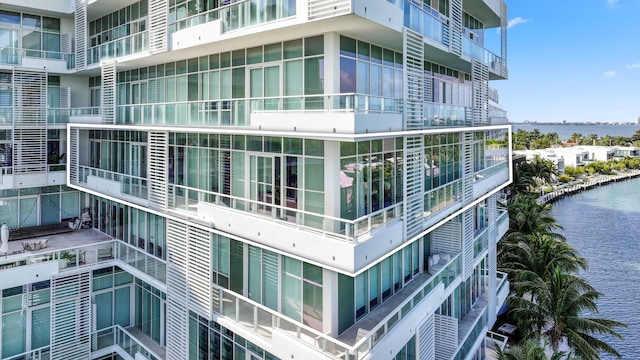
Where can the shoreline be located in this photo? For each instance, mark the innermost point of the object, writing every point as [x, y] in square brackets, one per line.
[578, 188]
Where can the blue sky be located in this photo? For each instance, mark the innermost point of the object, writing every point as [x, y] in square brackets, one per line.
[573, 60]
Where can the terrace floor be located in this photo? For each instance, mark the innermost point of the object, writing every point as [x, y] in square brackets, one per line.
[55, 242]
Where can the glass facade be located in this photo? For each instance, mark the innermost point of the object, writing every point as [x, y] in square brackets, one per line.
[28, 35]
[235, 128]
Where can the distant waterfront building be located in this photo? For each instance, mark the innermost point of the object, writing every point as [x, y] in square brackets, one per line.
[300, 179]
[581, 155]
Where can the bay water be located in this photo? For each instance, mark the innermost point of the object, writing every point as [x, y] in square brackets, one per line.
[603, 224]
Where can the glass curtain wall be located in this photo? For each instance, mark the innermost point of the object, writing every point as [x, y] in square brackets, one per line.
[370, 176]
[38, 36]
[25, 327]
[134, 226]
[221, 89]
[34, 206]
[360, 295]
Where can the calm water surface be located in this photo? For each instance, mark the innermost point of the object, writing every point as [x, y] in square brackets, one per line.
[604, 225]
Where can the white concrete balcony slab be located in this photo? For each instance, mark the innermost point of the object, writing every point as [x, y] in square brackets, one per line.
[490, 178]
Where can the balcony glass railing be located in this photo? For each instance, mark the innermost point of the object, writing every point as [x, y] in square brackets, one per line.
[13, 56]
[118, 336]
[481, 243]
[426, 21]
[429, 24]
[501, 279]
[235, 112]
[6, 114]
[444, 115]
[57, 115]
[92, 254]
[124, 46]
[325, 225]
[502, 223]
[129, 184]
[478, 329]
[488, 171]
[86, 111]
[237, 14]
[477, 52]
[262, 321]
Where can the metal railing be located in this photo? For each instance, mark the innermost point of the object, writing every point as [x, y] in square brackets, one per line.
[118, 336]
[42, 353]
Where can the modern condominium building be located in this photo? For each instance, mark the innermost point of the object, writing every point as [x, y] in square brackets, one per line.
[251, 179]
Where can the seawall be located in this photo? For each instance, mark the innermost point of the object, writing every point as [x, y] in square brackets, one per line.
[576, 188]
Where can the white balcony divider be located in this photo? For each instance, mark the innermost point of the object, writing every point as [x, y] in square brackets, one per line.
[426, 336]
[73, 140]
[446, 336]
[158, 25]
[492, 265]
[468, 242]
[108, 91]
[177, 318]
[80, 27]
[480, 83]
[455, 45]
[446, 238]
[504, 22]
[321, 9]
[467, 168]
[413, 171]
[71, 316]
[29, 127]
[157, 168]
[199, 271]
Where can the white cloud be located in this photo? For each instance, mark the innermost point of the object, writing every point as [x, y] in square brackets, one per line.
[633, 66]
[610, 74]
[519, 20]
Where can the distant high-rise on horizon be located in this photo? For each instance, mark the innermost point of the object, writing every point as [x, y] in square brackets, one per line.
[282, 179]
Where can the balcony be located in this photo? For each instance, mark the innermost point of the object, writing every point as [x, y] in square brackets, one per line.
[124, 46]
[276, 328]
[86, 115]
[233, 15]
[130, 341]
[490, 178]
[346, 113]
[443, 115]
[127, 187]
[54, 61]
[502, 224]
[433, 25]
[77, 249]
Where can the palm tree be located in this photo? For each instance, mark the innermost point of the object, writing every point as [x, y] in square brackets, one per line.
[529, 350]
[543, 169]
[527, 216]
[556, 314]
[537, 257]
[523, 182]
